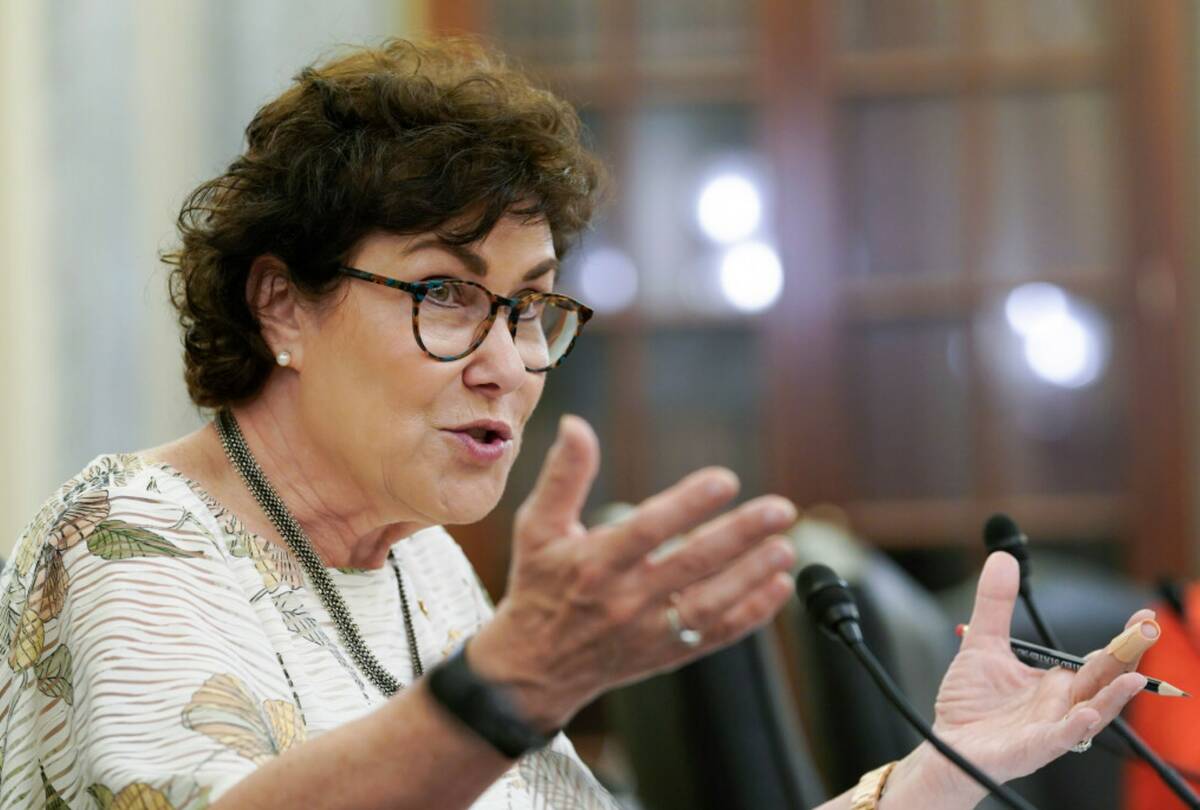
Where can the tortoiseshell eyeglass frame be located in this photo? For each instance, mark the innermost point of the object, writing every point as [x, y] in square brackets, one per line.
[419, 289]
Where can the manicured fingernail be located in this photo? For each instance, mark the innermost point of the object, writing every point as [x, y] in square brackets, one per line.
[721, 484]
[781, 555]
[1134, 641]
[778, 514]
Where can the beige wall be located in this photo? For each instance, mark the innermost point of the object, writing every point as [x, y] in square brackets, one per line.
[27, 348]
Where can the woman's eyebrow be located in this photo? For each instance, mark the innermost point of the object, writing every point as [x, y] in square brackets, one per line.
[473, 261]
[542, 268]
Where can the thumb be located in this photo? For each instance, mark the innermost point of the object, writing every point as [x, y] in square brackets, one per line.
[566, 478]
[995, 597]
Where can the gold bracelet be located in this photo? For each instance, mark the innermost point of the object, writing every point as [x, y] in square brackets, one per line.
[866, 794]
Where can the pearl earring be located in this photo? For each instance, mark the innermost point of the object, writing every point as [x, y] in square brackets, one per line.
[284, 358]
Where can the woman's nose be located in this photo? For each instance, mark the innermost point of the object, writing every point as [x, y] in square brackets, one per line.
[497, 362]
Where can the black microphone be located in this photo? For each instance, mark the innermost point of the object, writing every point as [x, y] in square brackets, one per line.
[832, 606]
[829, 601]
[1001, 533]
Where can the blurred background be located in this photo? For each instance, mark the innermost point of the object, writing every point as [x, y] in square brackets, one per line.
[907, 262]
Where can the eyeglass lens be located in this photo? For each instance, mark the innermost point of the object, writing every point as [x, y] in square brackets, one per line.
[451, 319]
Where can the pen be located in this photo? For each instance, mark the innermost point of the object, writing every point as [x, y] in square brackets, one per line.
[1046, 658]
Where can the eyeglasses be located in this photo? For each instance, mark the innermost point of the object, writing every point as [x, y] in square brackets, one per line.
[452, 317]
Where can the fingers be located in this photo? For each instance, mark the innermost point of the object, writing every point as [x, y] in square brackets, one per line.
[704, 605]
[1121, 656]
[1086, 719]
[1083, 722]
[754, 611]
[750, 611]
[564, 482]
[995, 597]
[1142, 615]
[667, 514]
[714, 545]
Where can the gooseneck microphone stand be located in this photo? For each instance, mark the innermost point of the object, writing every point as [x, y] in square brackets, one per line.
[834, 610]
[1000, 533]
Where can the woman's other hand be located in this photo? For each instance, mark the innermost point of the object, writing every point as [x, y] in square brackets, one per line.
[587, 610]
[1008, 718]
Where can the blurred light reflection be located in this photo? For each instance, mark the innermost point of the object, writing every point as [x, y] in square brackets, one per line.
[1065, 341]
[1029, 305]
[751, 276]
[729, 208]
[608, 280]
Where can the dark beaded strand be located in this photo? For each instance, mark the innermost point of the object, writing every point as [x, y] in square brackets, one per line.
[301, 546]
[418, 669]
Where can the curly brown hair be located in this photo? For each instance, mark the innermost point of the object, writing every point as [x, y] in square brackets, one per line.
[443, 137]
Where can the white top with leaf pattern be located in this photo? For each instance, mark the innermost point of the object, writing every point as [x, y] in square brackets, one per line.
[154, 652]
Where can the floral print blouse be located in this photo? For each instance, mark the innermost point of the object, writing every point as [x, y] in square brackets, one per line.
[153, 652]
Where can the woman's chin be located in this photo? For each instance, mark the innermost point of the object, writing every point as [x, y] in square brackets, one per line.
[461, 519]
[471, 508]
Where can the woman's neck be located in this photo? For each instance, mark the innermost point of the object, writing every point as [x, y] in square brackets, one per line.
[334, 510]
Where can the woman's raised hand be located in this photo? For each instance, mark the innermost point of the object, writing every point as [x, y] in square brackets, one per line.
[1008, 718]
[586, 611]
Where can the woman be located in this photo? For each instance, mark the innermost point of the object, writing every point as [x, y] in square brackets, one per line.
[242, 618]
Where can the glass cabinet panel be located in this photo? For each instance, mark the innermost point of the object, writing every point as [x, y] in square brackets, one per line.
[901, 174]
[880, 25]
[907, 386]
[675, 152]
[1016, 26]
[681, 31]
[1053, 204]
[548, 32]
[704, 390]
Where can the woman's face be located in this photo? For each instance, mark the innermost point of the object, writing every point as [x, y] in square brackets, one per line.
[407, 428]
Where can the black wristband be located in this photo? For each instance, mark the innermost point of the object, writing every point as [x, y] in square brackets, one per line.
[483, 707]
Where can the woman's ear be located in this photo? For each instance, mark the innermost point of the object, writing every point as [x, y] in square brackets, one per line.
[273, 301]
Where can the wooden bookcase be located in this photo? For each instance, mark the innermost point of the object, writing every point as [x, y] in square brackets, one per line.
[924, 158]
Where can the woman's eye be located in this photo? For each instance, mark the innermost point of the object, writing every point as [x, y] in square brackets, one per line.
[443, 294]
[532, 312]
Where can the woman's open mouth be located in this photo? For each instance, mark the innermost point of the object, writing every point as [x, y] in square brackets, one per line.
[483, 442]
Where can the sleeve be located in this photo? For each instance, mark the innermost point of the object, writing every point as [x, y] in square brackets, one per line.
[134, 670]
